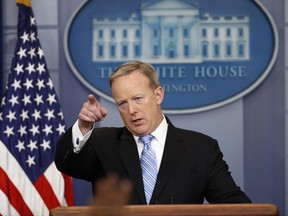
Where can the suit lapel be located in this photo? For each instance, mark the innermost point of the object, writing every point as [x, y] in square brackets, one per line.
[129, 154]
[173, 152]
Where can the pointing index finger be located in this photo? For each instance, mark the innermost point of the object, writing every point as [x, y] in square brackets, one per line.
[92, 100]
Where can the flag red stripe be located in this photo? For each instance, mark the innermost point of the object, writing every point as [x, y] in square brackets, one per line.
[46, 192]
[12, 193]
[68, 190]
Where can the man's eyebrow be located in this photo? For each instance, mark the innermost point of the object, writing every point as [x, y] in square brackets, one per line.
[118, 101]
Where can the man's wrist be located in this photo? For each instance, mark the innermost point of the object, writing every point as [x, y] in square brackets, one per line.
[78, 138]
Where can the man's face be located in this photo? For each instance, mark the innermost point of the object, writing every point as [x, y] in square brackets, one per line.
[138, 104]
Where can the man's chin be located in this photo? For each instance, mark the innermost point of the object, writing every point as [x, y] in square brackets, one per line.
[137, 131]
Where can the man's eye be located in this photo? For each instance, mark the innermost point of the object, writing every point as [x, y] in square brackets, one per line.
[122, 105]
[138, 99]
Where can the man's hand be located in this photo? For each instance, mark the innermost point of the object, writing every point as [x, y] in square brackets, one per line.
[111, 194]
[91, 112]
[112, 191]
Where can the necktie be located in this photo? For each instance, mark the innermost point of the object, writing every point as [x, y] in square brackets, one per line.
[149, 167]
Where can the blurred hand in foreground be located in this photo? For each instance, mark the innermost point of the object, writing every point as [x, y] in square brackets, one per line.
[111, 194]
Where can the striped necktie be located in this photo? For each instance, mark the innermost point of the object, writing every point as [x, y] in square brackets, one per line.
[149, 166]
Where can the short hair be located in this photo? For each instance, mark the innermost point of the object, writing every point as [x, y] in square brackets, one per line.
[144, 68]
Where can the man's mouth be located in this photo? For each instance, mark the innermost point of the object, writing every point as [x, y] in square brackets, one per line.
[137, 121]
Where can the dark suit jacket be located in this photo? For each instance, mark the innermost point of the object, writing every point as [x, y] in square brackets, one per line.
[192, 166]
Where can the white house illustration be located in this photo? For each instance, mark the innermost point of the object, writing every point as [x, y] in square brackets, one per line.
[171, 31]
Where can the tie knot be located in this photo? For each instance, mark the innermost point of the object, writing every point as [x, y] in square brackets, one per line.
[146, 140]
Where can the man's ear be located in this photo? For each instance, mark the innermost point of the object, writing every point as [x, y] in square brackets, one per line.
[159, 93]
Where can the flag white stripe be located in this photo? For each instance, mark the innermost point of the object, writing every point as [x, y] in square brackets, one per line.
[20, 180]
[5, 207]
[55, 178]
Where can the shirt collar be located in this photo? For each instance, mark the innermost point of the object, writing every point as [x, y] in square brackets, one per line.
[159, 133]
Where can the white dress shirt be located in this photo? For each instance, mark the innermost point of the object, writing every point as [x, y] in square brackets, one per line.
[157, 144]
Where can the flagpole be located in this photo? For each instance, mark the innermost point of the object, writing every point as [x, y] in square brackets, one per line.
[25, 2]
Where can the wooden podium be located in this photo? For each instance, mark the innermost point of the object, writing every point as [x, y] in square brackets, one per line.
[171, 210]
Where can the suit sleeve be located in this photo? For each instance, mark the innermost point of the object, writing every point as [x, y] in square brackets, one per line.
[221, 186]
[84, 165]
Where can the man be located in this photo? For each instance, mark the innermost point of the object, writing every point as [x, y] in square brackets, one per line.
[188, 165]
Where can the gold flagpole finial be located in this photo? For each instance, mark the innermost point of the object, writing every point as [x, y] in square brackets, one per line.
[25, 2]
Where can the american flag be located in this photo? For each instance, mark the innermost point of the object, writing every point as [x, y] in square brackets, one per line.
[31, 122]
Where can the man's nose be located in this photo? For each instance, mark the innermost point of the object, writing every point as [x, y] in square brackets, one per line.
[131, 108]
